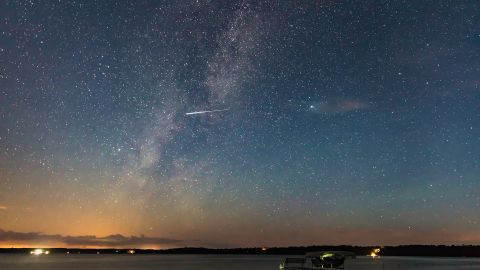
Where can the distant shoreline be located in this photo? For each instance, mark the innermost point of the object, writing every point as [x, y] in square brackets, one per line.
[404, 250]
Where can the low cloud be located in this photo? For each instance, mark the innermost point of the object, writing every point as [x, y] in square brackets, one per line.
[115, 240]
[339, 106]
[3, 207]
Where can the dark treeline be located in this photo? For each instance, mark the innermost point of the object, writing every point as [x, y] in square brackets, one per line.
[406, 250]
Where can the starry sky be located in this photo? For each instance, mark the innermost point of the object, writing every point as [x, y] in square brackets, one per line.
[331, 122]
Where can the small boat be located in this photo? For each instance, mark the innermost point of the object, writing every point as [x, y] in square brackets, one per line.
[317, 260]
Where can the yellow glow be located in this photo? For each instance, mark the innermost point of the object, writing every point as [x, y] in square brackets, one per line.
[326, 255]
[264, 249]
[37, 251]
[131, 251]
[375, 253]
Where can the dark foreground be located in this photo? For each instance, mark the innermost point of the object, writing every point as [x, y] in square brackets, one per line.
[214, 262]
[407, 250]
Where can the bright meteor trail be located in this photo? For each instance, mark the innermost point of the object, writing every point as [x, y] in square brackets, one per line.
[202, 112]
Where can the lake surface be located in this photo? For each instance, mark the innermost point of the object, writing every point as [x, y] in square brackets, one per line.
[215, 262]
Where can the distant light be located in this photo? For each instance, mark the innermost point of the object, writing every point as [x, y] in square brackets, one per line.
[264, 249]
[131, 251]
[39, 251]
[47, 252]
[374, 253]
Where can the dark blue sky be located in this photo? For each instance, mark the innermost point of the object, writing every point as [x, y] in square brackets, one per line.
[342, 122]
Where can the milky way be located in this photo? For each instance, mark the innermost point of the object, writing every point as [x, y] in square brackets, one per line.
[239, 123]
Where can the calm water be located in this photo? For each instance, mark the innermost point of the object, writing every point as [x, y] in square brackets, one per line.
[214, 262]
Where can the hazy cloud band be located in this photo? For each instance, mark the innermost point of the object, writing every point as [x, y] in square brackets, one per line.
[115, 240]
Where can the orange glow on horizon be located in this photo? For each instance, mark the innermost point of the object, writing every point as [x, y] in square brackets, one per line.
[62, 245]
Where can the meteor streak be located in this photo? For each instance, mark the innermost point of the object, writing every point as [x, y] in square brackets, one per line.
[202, 112]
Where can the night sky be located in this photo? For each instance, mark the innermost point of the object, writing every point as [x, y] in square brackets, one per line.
[318, 122]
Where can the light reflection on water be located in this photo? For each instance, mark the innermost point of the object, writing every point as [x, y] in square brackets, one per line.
[215, 262]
